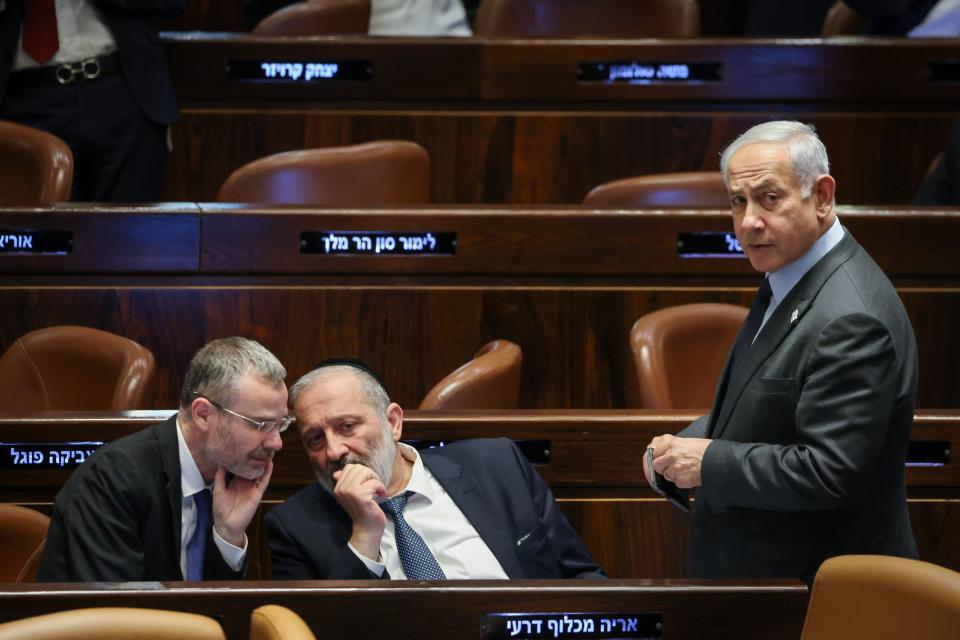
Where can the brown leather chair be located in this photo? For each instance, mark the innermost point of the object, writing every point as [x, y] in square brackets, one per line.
[679, 353]
[693, 189]
[36, 167]
[113, 623]
[596, 18]
[273, 622]
[490, 381]
[70, 368]
[883, 598]
[317, 17]
[22, 535]
[386, 172]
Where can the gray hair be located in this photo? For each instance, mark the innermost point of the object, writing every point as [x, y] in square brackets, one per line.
[808, 156]
[218, 365]
[373, 391]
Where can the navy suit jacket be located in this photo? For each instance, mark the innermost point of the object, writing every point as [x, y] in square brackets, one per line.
[142, 62]
[491, 482]
[810, 433]
[117, 519]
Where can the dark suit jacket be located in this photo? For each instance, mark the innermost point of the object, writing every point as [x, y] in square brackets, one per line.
[491, 482]
[942, 185]
[810, 435]
[142, 62]
[118, 516]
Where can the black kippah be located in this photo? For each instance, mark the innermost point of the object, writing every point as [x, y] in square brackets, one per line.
[356, 364]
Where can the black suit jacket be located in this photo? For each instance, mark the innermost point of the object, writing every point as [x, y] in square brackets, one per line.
[810, 434]
[491, 482]
[941, 187]
[142, 62]
[118, 516]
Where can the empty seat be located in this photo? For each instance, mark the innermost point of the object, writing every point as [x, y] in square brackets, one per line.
[22, 534]
[490, 381]
[113, 623]
[317, 17]
[692, 189]
[36, 167]
[71, 368]
[679, 353]
[596, 18]
[882, 598]
[273, 622]
[386, 172]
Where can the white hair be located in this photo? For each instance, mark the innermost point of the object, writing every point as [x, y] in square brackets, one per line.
[808, 156]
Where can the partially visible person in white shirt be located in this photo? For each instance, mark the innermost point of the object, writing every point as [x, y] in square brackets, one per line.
[418, 18]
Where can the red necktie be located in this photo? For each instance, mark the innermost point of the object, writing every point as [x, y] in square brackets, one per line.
[40, 37]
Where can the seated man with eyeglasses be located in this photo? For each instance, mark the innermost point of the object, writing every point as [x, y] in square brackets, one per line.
[159, 504]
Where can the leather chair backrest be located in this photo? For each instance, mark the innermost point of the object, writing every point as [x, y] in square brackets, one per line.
[588, 19]
[69, 368]
[490, 381]
[882, 598]
[317, 17]
[386, 172]
[679, 353]
[113, 623]
[22, 534]
[36, 167]
[692, 189]
[841, 20]
[273, 622]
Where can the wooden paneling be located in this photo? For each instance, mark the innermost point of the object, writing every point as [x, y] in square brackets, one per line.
[760, 609]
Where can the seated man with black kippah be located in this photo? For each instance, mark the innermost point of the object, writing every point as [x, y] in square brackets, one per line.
[471, 509]
[159, 504]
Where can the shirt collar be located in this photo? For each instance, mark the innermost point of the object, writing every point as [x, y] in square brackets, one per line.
[419, 477]
[191, 481]
[784, 279]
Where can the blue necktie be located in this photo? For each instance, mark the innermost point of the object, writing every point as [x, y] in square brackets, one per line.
[198, 541]
[418, 563]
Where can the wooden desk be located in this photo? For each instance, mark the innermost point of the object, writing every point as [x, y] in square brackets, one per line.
[564, 284]
[593, 469]
[512, 122]
[761, 609]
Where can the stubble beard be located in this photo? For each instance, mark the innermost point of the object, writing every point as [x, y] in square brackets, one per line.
[379, 460]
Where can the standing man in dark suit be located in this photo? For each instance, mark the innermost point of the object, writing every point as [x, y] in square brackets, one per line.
[141, 507]
[93, 73]
[802, 457]
[380, 509]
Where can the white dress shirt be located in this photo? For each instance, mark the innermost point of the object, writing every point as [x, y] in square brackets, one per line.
[82, 33]
[942, 21]
[432, 513]
[418, 18]
[191, 482]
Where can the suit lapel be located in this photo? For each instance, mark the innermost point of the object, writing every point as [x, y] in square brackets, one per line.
[780, 323]
[170, 453]
[462, 487]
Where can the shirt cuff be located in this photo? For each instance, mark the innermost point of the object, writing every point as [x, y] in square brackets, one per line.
[375, 567]
[233, 556]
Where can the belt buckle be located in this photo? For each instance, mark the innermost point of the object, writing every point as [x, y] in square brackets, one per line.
[88, 69]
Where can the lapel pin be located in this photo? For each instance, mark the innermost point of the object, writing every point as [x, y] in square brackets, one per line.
[794, 316]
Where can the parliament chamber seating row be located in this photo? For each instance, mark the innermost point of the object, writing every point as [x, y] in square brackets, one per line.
[566, 285]
[530, 122]
[590, 459]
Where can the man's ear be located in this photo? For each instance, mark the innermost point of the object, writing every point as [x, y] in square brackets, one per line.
[201, 412]
[824, 190]
[395, 418]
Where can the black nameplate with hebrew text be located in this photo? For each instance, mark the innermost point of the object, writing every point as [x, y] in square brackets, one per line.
[570, 626]
[298, 71]
[649, 72]
[45, 455]
[373, 243]
[32, 241]
[946, 71]
[709, 244]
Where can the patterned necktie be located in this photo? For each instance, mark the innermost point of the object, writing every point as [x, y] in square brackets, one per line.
[198, 541]
[40, 36]
[418, 563]
[751, 325]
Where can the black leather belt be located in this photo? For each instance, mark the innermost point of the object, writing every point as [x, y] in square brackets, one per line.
[68, 73]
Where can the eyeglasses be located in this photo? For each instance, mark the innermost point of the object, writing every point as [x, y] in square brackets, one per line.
[263, 426]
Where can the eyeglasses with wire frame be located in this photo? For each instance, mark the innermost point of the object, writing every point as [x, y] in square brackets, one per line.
[263, 426]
